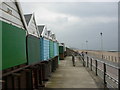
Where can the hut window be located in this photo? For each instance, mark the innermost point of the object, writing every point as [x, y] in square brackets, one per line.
[9, 10]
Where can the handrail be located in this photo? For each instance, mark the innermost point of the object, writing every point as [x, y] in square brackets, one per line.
[104, 62]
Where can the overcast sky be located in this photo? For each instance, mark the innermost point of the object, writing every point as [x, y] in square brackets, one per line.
[75, 22]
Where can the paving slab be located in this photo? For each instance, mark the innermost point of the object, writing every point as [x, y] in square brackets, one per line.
[68, 76]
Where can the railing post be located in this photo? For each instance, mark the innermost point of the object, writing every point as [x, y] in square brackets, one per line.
[115, 59]
[119, 78]
[104, 78]
[83, 62]
[87, 60]
[96, 65]
[91, 63]
[109, 57]
[112, 58]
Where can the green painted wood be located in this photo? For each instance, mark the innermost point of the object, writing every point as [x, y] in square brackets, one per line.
[0, 45]
[33, 49]
[61, 49]
[13, 46]
[55, 49]
[51, 51]
[58, 48]
[58, 53]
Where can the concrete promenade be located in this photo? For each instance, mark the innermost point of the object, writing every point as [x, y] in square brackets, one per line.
[67, 76]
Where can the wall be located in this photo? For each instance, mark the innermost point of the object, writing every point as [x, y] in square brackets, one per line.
[33, 49]
[13, 46]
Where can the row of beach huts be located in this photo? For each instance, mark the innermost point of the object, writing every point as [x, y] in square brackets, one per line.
[30, 52]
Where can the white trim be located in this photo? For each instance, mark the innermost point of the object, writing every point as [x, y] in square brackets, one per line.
[34, 28]
[21, 13]
[44, 32]
[49, 35]
[36, 25]
[30, 20]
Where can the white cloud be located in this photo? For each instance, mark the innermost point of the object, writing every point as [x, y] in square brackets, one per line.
[45, 14]
[74, 19]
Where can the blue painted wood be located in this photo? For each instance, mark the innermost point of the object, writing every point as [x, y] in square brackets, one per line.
[44, 49]
[41, 48]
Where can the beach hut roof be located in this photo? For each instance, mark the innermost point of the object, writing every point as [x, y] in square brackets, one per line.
[27, 18]
[31, 23]
[7, 17]
[41, 28]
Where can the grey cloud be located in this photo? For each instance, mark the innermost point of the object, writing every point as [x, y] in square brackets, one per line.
[84, 9]
[90, 9]
[87, 27]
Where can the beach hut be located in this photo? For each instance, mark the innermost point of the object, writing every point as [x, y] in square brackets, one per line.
[44, 42]
[13, 34]
[55, 45]
[51, 45]
[33, 40]
[61, 51]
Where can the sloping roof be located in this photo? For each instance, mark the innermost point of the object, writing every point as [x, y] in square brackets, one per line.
[40, 28]
[6, 17]
[21, 13]
[53, 37]
[60, 44]
[27, 18]
[49, 33]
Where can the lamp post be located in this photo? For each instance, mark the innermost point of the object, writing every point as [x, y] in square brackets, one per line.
[101, 34]
[86, 44]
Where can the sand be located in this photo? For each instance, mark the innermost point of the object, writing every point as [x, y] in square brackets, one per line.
[111, 56]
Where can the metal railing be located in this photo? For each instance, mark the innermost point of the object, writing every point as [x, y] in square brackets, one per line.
[109, 73]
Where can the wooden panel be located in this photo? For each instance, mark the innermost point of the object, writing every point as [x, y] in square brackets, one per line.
[9, 82]
[23, 78]
[33, 25]
[33, 49]
[61, 56]
[45, 33]
[55, 49]
[32, 28]
[10, 14]
[44, 49]
[10, 4]
[14, 24]
[16, 82]
[12, 19]
[51, 45]
[14, 41]
[14, 13]
[61, 49]
[32, 31]
[0, 47]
